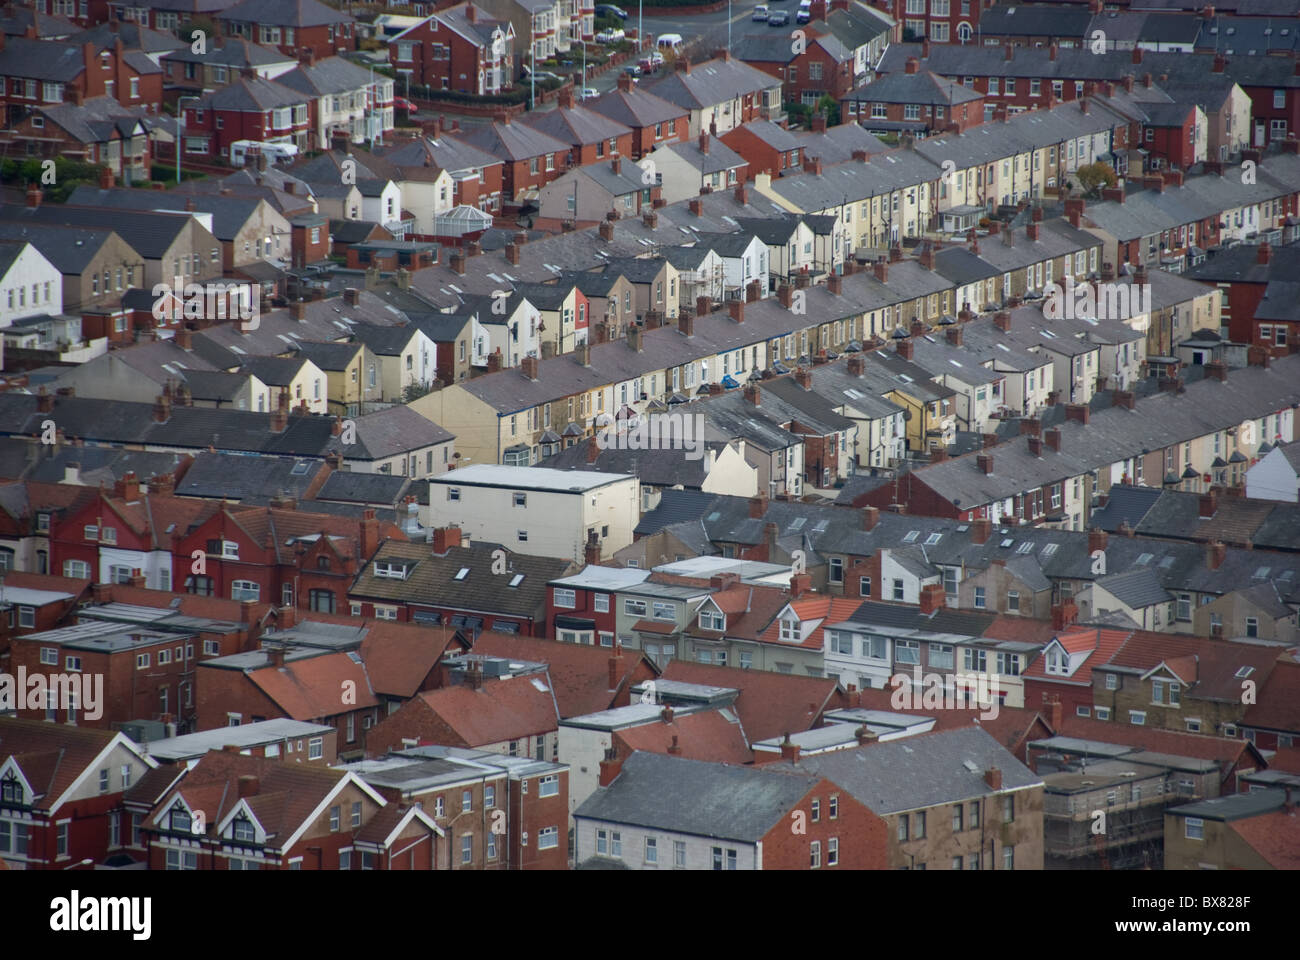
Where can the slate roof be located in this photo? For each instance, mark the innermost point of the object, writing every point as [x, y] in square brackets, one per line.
[252, 95]
[283, 13]
[576, 125]
[921, 771]
[325, 77]
[635, 107]
[710, 83]
[95, 120]
[233, 52]
[512, 141]
[54, 61]
[220, 475]
[922, 87]
[431, 579]
[714, 800]
[150, 234]
[1135, 588]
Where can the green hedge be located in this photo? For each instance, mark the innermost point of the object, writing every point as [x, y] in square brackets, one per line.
[67, 175]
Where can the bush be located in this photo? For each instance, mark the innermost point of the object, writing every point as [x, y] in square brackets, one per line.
[1093, 176]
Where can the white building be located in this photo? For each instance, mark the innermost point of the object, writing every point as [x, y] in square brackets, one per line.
[536, 510]
[29, 284]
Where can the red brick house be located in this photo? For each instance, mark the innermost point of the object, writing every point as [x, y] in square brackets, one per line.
[250, 108]
[819, 65]
[291, 25]
[652, 120]
[32, 602]
[513, 715]
[466, 587]
[281, 556]
[915, 100]
[231, 812]
[767, 148]
[39, 72]
[1063, 672]
[61, 788]
[531, 158]
[592, 137]
[98, 131]
[459, 48]
[1273, 723]
[1169, 134]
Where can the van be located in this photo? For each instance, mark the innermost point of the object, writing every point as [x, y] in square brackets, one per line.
[669, 41]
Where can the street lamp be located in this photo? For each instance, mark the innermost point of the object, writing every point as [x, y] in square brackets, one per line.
[180, 132]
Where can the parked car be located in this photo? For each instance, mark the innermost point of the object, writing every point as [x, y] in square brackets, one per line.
[656, 58]
[609, 10]
[401, 103]
[589, 93]
[778, 18]
[760, 13]
[646, 64]
[610, 36]
[632, 70]
[804, 15]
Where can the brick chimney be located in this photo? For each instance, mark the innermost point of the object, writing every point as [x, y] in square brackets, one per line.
[800, 584]
[757, 506]
[993, 777]
[803, 377]
[881, 270]
[1053, 439]
[1264, 253]
[1035, 446]
[1097, 539]
[870, 517]
[814, 164]
[737, 310]
[912, 65]
[162, 408]
[984, 461]
[1064, 614]
[1209, 504]
[686, 322]
[954, 334]
[751, 394]
[249, 785]
[1215, 553]
[696, 206]
[610, 767]
[1077, 411]
[1055, 714]
[931, 598]
[789, 751]
[444, 538]
[1002, 320]
[33, 195]
[904, 348]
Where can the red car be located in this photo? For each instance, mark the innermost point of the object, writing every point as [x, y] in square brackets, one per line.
[401, 103]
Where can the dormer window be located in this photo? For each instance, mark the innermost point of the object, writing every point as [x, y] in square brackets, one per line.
[391, 571]
[242, 830]
[712, 620]
[181, 821]
[11, 791]
[790, 630]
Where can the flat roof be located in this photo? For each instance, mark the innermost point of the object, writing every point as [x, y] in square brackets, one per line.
[705, 567]
[28, 596]
[678, 689]
[529, 478]
[603, 578]
[620, 718]
[245, 735]
[1233, 806]
[103, 637]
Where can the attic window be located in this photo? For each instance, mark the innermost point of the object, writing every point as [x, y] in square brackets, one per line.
[1008, 541]
[911, 536]
[1244, 672]
[517, 579]
[1260, 573]
[461, 574]
[300, 469]
[392, 571]
[1144, 559]
[1049, 549]
[933, 538]
[798, 522]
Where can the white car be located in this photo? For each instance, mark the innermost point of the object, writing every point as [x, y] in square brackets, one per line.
[590, 93]
[656, 58]
[760, 14]
[610, 36]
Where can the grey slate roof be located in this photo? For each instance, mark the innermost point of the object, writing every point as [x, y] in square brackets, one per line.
[70, 249]
[921, 771]
[284, 13]
[223, 475]
[712, 82]
[1135, 588]
[715, 800]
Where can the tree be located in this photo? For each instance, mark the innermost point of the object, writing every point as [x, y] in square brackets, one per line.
[415, 391]
[828, 107]
[1093, 176]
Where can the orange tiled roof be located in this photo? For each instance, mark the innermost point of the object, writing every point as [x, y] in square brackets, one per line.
[1274, 836]
[706, 735]
[821, 607]
[311, 688]
[505, 709]
[1277, 705]
[769, 704]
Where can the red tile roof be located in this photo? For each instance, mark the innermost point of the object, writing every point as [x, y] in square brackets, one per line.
[769, 704]
[1209, 667]
[1102, 642]
[820, 607]
[399, 656]
[1024, 629]
[706, 735]
[1277, 705]
[579, 673]
[312, 688]
[286, 793]
[51, 755]
[500, 710]
[1274, 836]
[1286, 759]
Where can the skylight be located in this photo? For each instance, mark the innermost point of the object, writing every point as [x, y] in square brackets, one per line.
[1261, 573]
[517, 579]
[798, 522]
[1049, 549]
[1026, 547]
[461, 574]
[1144, 559]
[933, 538]
[1244, 672]
[1008, 541]
[911, 536]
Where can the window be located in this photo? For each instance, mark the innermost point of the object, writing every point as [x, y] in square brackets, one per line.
[903, 822]
[466, 848]
[979, 598]
[315, 748]
[1194, 828]
[1008, 858]
[918, 824]
[182, 860]
[548, 786]
[50, 656]
[832, 851]
[816, 810]
[568, 598]
[1112, 681]
[1137, 717]
[634, 608]
[898, 590]
[466, 801]
[815, 854]
[864, 586]
[907, 651]
[1008, 808]
[651, 850]
[679, 854]
[245, 590]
